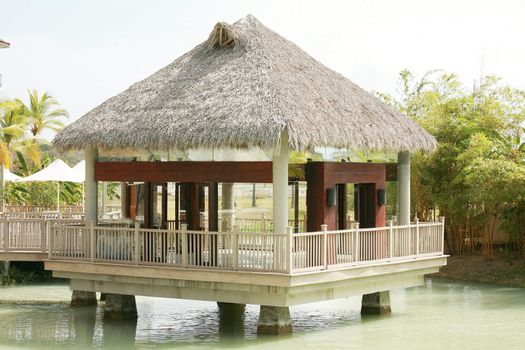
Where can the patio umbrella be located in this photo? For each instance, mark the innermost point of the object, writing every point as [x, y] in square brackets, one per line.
[80, 173]
[9, 176]
[57, 171]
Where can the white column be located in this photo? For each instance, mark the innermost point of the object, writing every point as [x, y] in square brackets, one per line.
[90, 187]
[280, 186]
[403, 195]
[228, 204]
[123, 198]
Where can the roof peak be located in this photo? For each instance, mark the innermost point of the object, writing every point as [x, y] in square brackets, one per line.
[241, 88]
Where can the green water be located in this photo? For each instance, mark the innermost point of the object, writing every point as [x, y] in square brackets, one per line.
[439, 315]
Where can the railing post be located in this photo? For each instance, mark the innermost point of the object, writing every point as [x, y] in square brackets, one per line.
[417, 237]
[264, 226]
[136, 239]
[390, 239]
[184, 245]
[289, 250]
[92, 241]
[5, 230]
[43, 238]
[235, 247]
[442, 243]
[50, 241]
[324, 228]
[357, 242]
[409, 251]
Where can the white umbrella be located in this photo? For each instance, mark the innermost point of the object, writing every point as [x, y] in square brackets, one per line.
[80, 171]
[56, 171]
[9, 176]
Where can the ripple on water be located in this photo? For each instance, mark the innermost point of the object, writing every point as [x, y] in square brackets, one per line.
[441, 314]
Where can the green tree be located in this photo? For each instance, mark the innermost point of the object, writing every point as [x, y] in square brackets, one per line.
[44, 112]
[475, 177]
[13, 141]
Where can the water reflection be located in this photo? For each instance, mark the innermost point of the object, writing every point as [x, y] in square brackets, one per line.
[84, 324]
[446, 314]
[231, 320]
[118, 334]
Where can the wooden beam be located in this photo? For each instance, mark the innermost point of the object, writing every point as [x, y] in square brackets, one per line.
[247, 172]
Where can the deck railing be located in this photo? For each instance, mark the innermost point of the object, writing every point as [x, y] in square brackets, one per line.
[247, 251]
[354, 247]
[29, 235]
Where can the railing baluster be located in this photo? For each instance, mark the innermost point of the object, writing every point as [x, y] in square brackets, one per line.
[235, 247]
[92, 241]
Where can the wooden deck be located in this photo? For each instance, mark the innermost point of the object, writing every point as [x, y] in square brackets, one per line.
[266, 268]
[246, 251]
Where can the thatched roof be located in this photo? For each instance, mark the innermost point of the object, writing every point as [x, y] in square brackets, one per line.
[241, 88]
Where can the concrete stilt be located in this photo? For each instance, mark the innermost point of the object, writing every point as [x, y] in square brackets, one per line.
[231, 318]
[274, 320]
[120, 307]
[231, 308]
[376, 303]
[83, 298]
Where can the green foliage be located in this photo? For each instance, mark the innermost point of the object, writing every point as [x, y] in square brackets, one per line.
[24, 155]
[24, 273]
[42, 193]
[476, 177]
[43, 112]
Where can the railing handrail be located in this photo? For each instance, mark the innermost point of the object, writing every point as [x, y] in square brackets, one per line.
[73, 239]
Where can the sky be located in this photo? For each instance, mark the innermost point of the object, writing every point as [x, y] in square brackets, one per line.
[83, 52]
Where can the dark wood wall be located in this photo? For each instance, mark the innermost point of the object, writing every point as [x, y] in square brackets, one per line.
[322, 176]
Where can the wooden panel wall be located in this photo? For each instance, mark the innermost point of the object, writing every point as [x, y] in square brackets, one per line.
[247, 172]
[324, 175]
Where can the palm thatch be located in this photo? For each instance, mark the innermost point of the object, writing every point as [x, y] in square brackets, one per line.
[241, 88]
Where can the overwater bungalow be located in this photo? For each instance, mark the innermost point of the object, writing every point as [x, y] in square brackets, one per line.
[244, 88]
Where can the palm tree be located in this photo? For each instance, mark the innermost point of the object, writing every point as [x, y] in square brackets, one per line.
[13, 126]
[44, 112]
